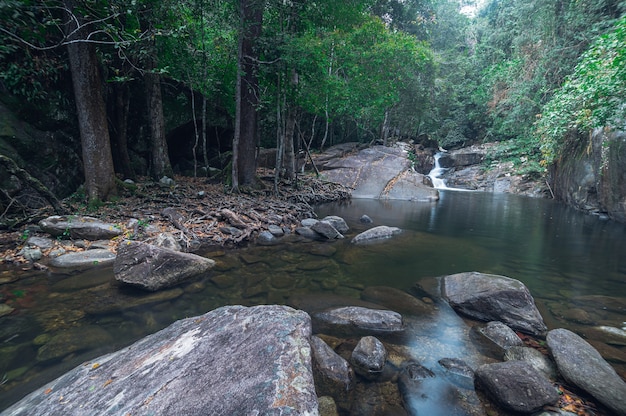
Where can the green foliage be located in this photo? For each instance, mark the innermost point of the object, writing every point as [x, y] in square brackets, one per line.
[593, 96]
[524, 51]
[524, 153]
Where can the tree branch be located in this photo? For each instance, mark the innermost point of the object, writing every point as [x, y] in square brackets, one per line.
[33, 182]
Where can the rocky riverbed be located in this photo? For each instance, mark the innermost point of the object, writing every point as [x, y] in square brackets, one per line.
[352, 352]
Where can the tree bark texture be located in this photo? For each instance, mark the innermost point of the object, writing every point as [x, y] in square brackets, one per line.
[160, 160]
[118, 110]
[247, 100]
[91, 111]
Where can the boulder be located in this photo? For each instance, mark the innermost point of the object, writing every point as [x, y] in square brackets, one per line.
[356, 320]
[231, 361]
[410, 186]
[365, 219]
[582, 365]
[381, 232]
[458, 372]
[87, 228]
[81, 260]
[276, 230]
[490, 297]
[337, 222]
[410, 383]
[152, 268]
[332, 373]
[307, 232]
[266, 238]
[498, 338]
[326, 230]
[516, 386]
[368, 357]
[374, 172]
[461, 158]
[308, 222]
[534, 357]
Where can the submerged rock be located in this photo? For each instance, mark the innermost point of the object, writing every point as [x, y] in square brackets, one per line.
[516, 386]
[458, 372]
[381, 232]
[396, 300]
[355, 320]
[152, 268]
[73, 340]
[231, 361]
[368, 357]
[489, 297]
[581, 364]
[332, 373]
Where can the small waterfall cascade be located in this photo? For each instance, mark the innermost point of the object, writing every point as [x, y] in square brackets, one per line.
[436, 173]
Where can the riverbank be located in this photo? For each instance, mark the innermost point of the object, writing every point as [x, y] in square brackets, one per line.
[199, 214]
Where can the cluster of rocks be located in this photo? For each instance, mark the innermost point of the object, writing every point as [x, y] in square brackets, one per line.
[162, 264]
[339, 355]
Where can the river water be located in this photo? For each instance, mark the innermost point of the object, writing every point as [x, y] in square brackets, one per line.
[573, 264]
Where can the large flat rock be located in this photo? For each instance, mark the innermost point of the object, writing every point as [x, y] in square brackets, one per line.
[231, 361]
[380, 172]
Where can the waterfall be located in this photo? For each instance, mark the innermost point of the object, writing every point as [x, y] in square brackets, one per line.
[436, 173]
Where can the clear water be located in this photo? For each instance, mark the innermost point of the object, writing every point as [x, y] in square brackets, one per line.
[569, 261]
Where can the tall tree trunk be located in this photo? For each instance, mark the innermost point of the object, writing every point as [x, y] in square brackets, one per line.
[160, 160]
[288, 147]
[290, 158]
[246, 120]
[91, 110]
[118, 110]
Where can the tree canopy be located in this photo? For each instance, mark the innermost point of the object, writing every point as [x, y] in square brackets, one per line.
[522, 73]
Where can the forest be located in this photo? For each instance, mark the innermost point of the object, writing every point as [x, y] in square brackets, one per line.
[155, 88]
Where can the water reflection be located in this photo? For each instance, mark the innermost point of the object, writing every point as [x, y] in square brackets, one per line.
[573, 264]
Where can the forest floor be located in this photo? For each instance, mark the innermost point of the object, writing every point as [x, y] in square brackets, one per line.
[199, 214]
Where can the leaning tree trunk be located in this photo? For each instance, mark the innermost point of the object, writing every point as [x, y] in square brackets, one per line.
[247, 100]
[160, 160]
[91, 110]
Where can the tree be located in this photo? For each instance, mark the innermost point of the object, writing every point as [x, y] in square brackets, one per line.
[247, 95]
[91, 110]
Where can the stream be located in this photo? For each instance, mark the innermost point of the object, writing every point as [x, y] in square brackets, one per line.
[573, 264]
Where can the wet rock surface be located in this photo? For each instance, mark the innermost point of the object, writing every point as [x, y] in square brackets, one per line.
[491, 297]
[498, 337]
[368, 357]
[582, 365]
[357, 320]
[376, 234]
[179, 370]
[516, 386]
[333, 375]
[152, 268]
